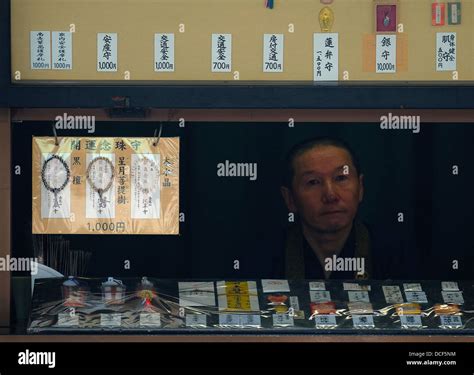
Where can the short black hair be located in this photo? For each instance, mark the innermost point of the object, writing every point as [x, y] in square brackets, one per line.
[309, 144]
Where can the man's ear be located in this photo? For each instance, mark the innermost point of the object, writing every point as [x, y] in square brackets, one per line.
[361, 187]
[288, 197]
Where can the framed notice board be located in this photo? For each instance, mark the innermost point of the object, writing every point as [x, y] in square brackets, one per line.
[229, 64]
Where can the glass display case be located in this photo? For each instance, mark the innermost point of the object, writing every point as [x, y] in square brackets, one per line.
[259, 306]
[193, 171]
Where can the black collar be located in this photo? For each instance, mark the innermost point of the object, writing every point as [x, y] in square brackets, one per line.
[314, 269]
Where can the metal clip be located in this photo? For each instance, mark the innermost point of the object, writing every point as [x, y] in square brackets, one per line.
[56, 142]
[157, 137]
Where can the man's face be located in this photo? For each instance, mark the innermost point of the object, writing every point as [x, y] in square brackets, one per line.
[326, 190]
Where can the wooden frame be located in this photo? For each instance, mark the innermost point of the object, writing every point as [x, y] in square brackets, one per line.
[8, 117]
[239, 339]
[5, 213]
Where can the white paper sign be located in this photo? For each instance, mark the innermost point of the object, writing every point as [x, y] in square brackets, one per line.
[224, 303]
[283, 320]
[273, 53]
[145, 176]
[229, 320]
[107, 52]
[62, 50]
[250, 320]
[392, 294]
[450, 321]
[419, 297]
[111, 320]
[317, 285]
[386, 54]
[446, 49]
[452, 297]
[325, 321]
[239, 320]
[294, 303]
[360, 308]
[55, 206]
[68, 320]
[412, 287]
[274, 286]
[358, 296]
[363, 321]
[164, 52]
[353, 286]
[221, 59]
[150, 320]
[410, 321]
[40, 49]
[98, 207]
[450, 286]
[326, 56]
[196, 320]
[196, 294]
[319, 296]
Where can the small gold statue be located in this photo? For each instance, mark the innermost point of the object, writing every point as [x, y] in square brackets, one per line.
[326, 19]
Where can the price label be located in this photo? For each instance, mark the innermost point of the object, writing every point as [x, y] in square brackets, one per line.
[107, 52]
[363, 321]
[236, 320]
[358, 296]
[273, 53]
[196, 320]
[392, 294]
[326, 56]
[353, 286]
[250, 320]
[410, 321]
[221, 57]
[68, 320]
[325, 321]
[412, 287]
[110, 320]
[446, 52]
[319, 296]
[453, 297]
[450, 286]
[283, 320]
[275, 286]
[230, 320]
[419, 297]
[294, 303]
[40, 49]
[386, 54]
[317, 285]
[62, 50]
[164, 52]
[450, 321]
[150, 320]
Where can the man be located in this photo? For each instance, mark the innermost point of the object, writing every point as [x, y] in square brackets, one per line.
[323, 187]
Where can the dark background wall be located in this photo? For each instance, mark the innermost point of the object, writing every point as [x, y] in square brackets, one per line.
[233, 218]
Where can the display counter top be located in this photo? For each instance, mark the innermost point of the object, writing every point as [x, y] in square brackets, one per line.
[256, 310]
[273, 338]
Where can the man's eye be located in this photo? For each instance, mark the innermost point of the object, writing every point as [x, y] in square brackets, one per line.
[342, 177]
[313, 182]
